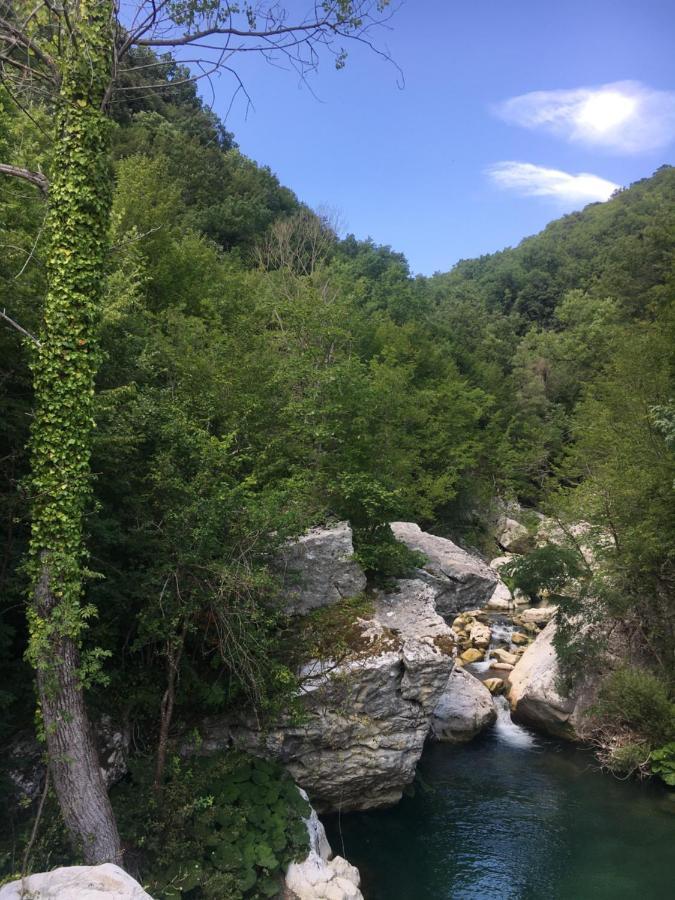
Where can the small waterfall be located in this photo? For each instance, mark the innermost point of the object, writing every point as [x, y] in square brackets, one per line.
[507, 730]
[501, 632]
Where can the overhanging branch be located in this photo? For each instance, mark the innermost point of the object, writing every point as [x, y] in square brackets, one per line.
[36, 178]
[19, 328]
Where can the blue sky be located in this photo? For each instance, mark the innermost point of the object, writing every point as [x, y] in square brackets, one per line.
[453, 166]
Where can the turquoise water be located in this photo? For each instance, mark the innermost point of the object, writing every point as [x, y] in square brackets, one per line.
[511, 816]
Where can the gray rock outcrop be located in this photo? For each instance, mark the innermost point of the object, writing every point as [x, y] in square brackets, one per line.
[319, 569]
[26, 755]
[104, 882]
[464, 710]
[366, 717]
[459, 579]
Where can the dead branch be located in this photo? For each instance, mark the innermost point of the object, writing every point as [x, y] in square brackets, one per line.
[36, 178]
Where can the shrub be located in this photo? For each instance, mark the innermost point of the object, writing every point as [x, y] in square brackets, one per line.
[330, 632]
[547, 568]
[635, 699]
[370, 506]
[382, 556]
[222, 828]
[627, 759]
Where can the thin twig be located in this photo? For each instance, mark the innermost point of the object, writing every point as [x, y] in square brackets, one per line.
[32, 251]
[33, 835]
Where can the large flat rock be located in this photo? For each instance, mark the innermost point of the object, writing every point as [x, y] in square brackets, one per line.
[459, 579]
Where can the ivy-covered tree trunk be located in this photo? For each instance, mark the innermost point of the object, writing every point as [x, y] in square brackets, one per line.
[64, 371]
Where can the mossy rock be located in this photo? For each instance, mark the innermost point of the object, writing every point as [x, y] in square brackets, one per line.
[472, 655]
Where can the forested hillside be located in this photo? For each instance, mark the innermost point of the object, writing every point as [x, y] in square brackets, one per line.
[261, 374]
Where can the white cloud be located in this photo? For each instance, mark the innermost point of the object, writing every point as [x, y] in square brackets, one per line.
[537, 181]
[624, 116]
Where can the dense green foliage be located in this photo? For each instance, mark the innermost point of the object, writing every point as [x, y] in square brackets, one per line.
[662, 762]
[260, 375]
[549, 568]
[227, 825]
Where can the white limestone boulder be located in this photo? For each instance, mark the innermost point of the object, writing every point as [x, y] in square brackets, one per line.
[535, 695]
[367, 715]
[513, 536]
[501, 600]
[537, 615]
[500, 561]
[104, 882]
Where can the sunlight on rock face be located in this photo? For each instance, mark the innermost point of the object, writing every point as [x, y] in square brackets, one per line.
[604, 111]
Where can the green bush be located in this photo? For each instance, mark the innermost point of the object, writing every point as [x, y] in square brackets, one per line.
[370, 506]
[222, 828]
[635, 699]
[547, 568]
[382, 556]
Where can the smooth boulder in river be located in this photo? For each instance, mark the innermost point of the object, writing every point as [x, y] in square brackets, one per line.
[534, 694]
[464, 710]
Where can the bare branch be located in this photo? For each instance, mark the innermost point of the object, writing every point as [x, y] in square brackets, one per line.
[234, 32]
[6, 318]
[36, 178]
[21, 38]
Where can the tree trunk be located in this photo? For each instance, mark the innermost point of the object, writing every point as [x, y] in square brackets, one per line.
[73, 758]
[64, 369]
[173, 657]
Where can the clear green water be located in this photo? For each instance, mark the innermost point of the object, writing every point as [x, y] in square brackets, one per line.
[513, 817]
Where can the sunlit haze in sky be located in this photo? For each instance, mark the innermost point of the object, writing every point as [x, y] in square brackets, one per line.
[512, 114]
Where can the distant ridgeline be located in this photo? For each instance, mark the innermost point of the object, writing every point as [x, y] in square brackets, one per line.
[261, 375]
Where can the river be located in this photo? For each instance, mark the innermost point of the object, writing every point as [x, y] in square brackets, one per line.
[514, 816]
